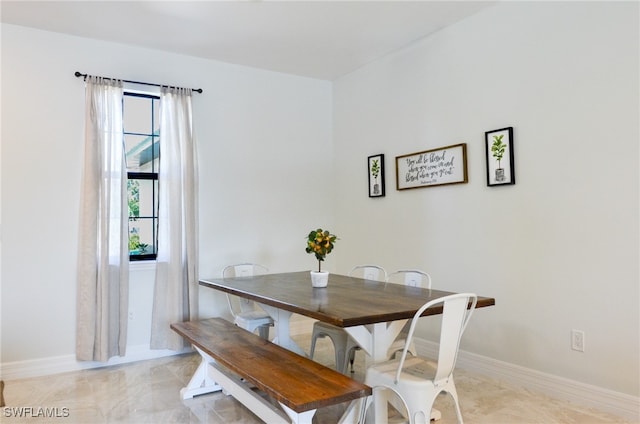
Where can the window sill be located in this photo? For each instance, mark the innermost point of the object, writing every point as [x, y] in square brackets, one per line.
[149, 265]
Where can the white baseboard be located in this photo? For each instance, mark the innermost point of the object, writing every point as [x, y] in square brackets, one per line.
[605, 400]
[65, 363]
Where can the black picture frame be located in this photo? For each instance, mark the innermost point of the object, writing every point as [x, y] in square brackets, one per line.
[499, 157]
[375, 166]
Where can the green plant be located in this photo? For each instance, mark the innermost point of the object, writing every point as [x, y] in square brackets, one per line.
[498, 148]
[134, 241]
[375, 168]
[320, 243]
[135, 245]
[133, 191]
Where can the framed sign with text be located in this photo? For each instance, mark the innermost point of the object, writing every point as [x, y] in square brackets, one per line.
[442, 166]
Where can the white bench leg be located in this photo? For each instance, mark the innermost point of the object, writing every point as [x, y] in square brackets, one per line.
[242, 393]
[201, 382]
[299, 418]
[353, 412]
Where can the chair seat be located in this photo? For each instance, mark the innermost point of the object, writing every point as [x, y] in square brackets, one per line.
[245, 313]
[416, 379]
[343, 344]
[253, 319]
[414, 371]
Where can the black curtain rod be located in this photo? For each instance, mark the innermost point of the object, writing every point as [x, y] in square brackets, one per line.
[78, 74]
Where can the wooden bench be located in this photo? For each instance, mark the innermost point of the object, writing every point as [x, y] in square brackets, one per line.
[233, 357]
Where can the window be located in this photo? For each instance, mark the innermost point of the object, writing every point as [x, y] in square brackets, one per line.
[141, 138]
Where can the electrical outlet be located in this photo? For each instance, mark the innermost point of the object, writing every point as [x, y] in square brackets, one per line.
[577, 340]
[130, 315]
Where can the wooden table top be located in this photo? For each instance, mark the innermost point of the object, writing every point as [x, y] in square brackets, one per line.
[345, 302]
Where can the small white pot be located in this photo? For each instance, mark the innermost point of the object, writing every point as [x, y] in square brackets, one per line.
[319, 279]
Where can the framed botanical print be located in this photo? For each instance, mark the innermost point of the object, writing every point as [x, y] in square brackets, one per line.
[499, 150]
[376, 175]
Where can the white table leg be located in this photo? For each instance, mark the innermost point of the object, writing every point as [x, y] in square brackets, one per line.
[281, 320]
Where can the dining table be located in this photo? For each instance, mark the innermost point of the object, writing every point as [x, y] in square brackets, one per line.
[372, 312]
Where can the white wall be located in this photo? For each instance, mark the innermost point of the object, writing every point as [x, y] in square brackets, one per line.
[260, 137]
[559, 250]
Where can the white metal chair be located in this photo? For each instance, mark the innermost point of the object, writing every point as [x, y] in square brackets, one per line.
[413, 278]
[344, 346]
[417, 380]
[246, 314]
[377, 391]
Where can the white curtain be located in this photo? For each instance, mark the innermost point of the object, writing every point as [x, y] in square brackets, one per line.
[103, 257]
[176, 287]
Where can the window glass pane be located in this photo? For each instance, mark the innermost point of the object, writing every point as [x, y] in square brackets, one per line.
[148, 198]
[156, 116]
[141, 153]
[156, 198]
[133, 198]
[142, 236]
[151, 158]
[137, 115]
[142, 198]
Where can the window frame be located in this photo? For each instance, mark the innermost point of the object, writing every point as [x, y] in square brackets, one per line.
[149, 176]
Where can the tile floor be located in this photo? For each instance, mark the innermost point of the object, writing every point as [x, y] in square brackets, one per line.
[148, 392]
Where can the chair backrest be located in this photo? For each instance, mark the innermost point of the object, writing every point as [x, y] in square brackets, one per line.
[238, 305]
[369, 272]
[411, 277]
[457, 309]
[245, 269]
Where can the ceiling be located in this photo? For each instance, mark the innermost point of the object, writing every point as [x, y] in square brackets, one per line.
[317, 39]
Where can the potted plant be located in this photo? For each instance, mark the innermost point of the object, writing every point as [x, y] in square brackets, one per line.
[320, 243]
[497, 150]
